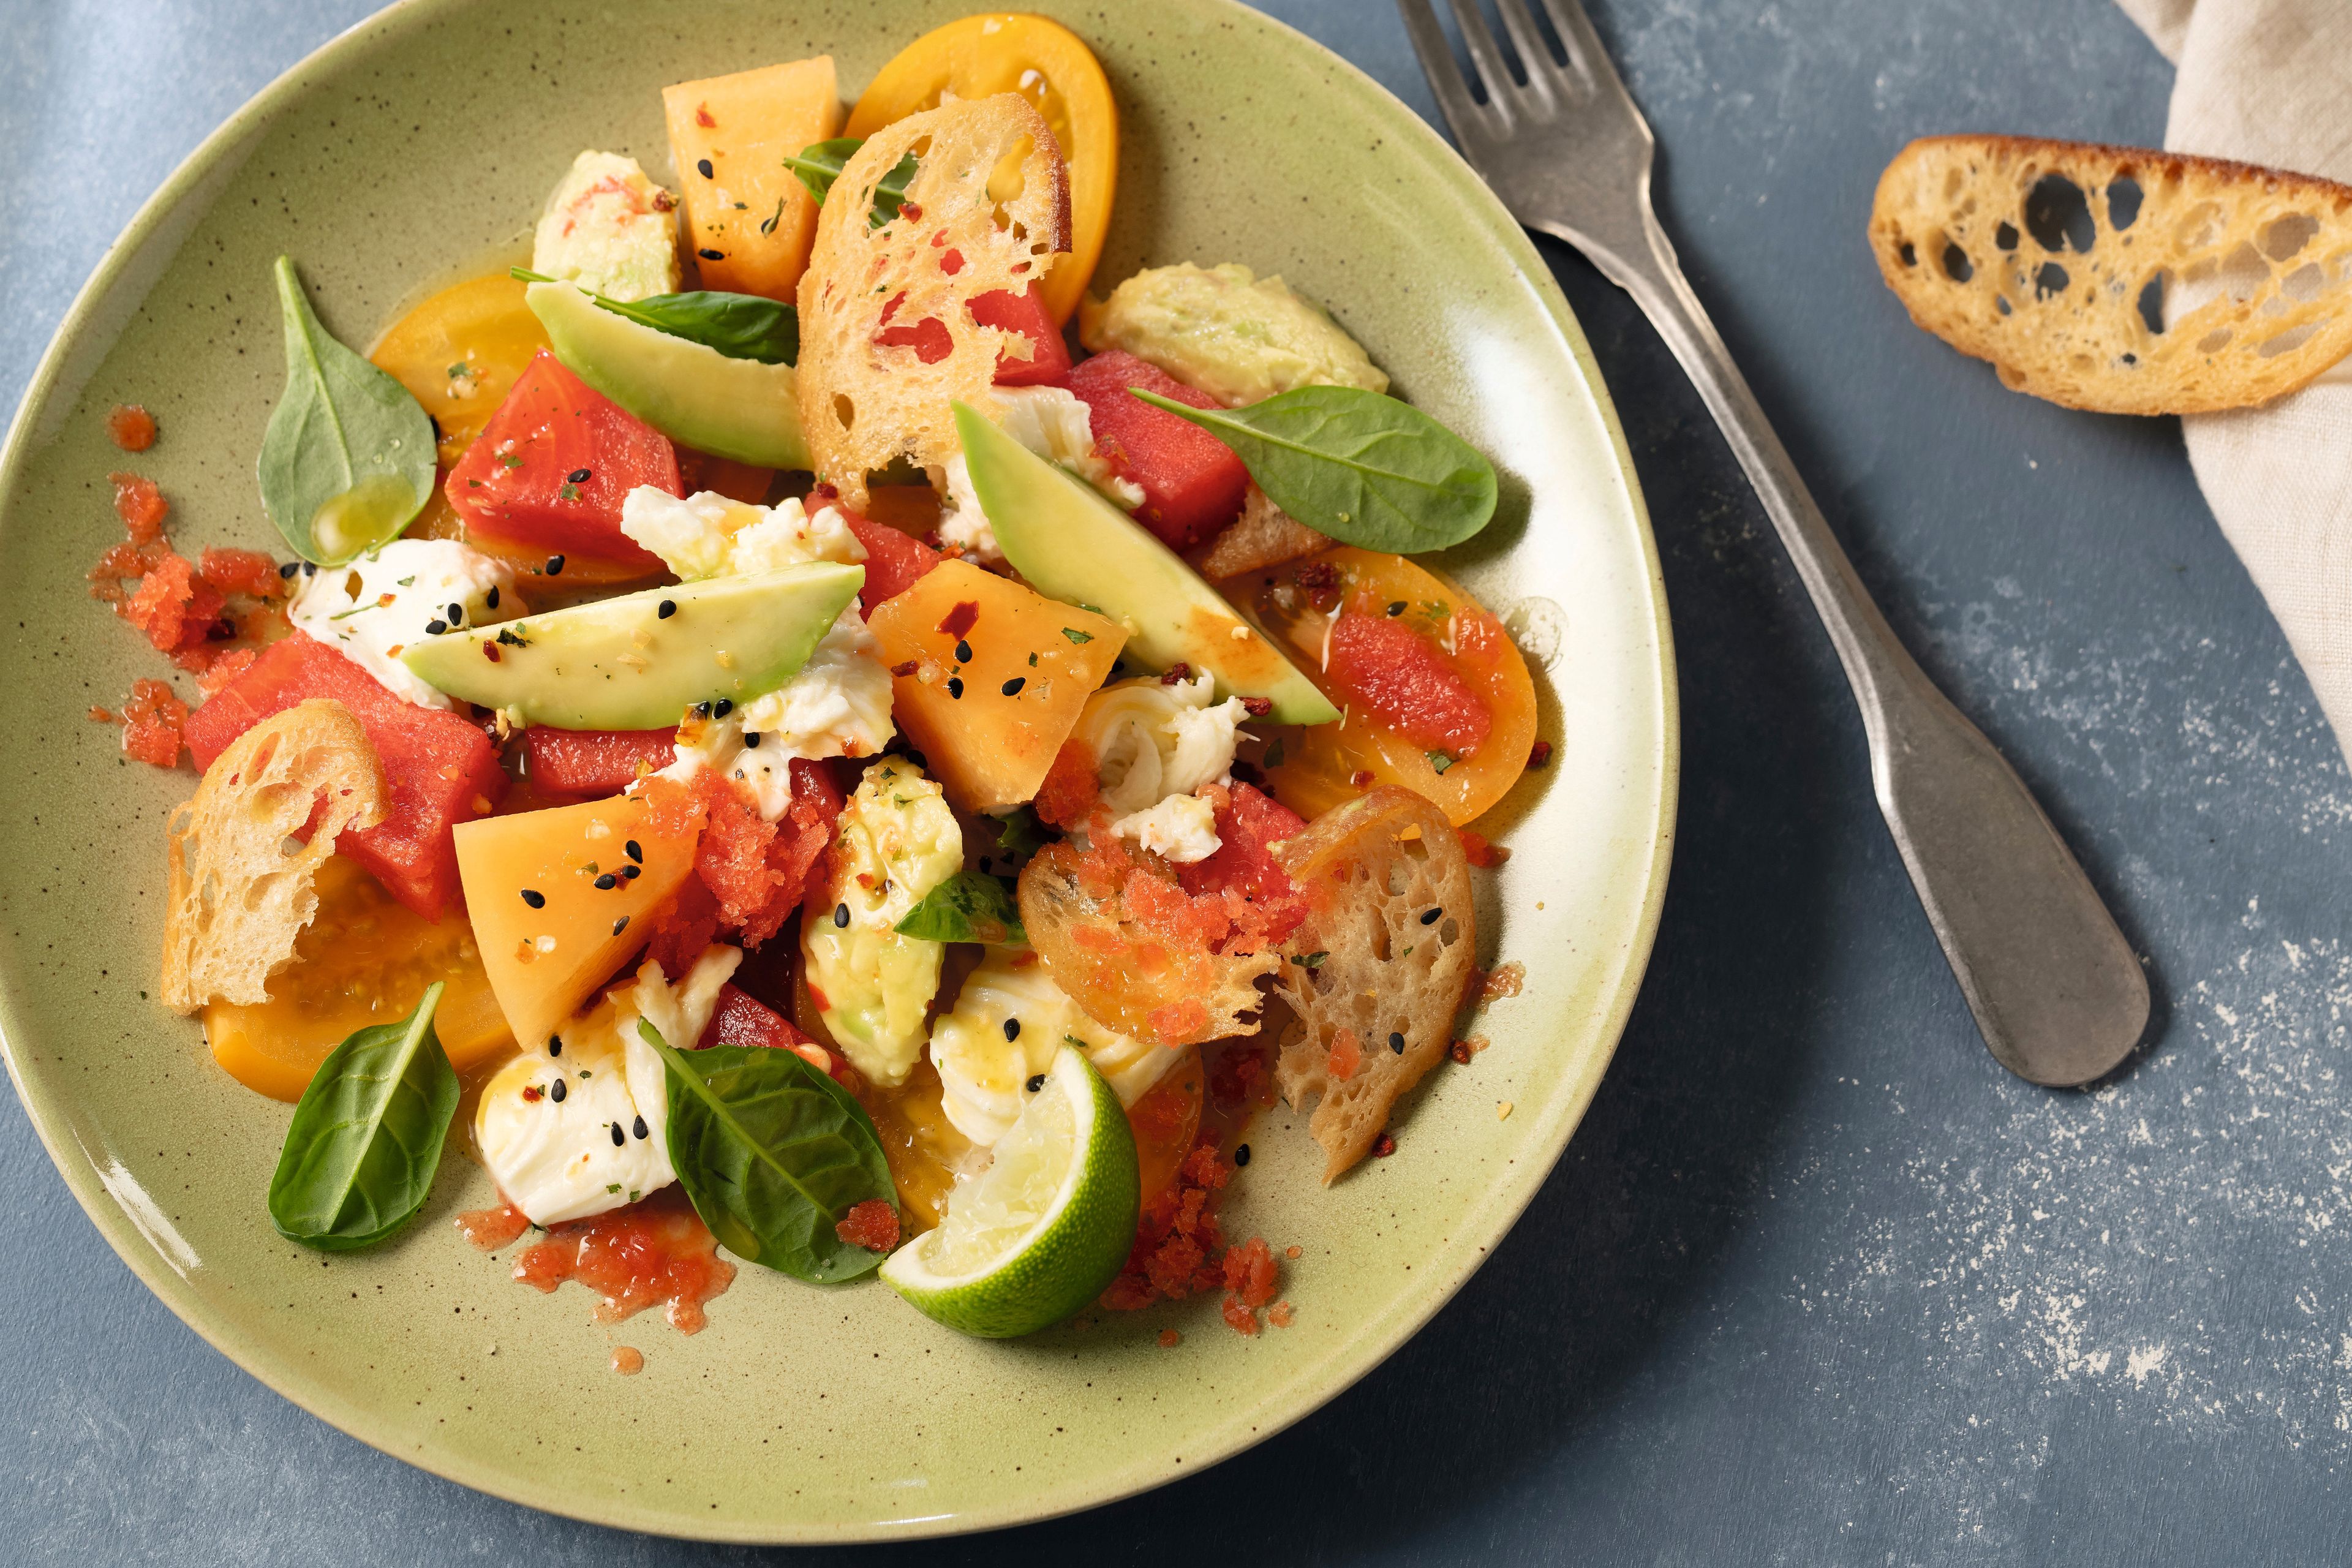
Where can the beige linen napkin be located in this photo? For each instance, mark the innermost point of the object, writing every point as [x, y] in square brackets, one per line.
[2270, 81]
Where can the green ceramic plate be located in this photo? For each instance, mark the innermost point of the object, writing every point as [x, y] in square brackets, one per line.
[407, 154]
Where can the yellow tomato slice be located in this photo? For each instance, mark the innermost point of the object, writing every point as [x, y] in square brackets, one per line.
[1315, 769]
[1044, 62]
[365, 960]
[459, 353]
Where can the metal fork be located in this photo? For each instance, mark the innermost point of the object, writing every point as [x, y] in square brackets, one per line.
[2057, 992]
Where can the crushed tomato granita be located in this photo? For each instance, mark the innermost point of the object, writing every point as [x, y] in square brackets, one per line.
[1180, 1249]
[654, 1251]
[872, 1224]
[150, 723]
[130, 427]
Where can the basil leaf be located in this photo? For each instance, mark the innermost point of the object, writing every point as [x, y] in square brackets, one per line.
[1363, 468]
[366, 1136]
[348, 457]
[1019, 834]
[820, 165]
[741, 326]
[774, 1154]
[971, 906]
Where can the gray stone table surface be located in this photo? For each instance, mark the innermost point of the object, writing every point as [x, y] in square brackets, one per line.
[1816, 1282]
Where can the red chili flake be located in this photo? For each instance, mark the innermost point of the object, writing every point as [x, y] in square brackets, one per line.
[903, 669]
[1539, 754]
[1176, 673]
[825, 490]
[911, 210]
[1320, 579]
[1460, 1051]
[130, 427]
[531, 1091]
[141, 506]
[490, 652]
[1384, 1146]
[960, 619]
[702, 116]
[1257, 707]
[1362, 778]
[872, 1224]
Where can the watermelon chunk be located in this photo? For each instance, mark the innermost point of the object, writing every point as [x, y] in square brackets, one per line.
[1193, 484]
[743, 1019]
[1250, 823]
[440, 769]
[593, 761]
[517, 484]
[1382, 664]
[895, 562]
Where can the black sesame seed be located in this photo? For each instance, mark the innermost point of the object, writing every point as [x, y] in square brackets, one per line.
[841, 916]
[1396, 1043]
[702, 710]
[434, 629]
[963, 651]
[1396, 607]
[1036, 1083]
[704, 165]
[535, 898]
[635, 851]
[310, 569]
[491, 600]
[620, 925]
[288, 570]
[1431, 917]
[619, 1137]
[1241, 1154]
[1013, 687]
[723, 707]
[607, 882]
[711, 255]
[666, 609]
[456, 615]
[633, 872]
[640, 1128]
[555, 565]
[577, 477]
[1012, 1028]
[752, 738]
[555, 1045]
[955, 686]
[556, 1092]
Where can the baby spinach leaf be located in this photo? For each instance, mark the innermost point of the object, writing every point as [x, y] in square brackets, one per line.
[820, 165]
[741, 326]
[971, 906]
[774, 1154]
[348, 457]
[1019, 834]
[366, 1136]
[1363, 468]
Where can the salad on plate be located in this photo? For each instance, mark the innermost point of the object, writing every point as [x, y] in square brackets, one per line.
[803, 727]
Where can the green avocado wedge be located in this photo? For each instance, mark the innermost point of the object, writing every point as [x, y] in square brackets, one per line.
[1073, 545]
[639, 661]
[737, 408]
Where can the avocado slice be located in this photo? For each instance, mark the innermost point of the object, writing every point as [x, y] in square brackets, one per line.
[737, 408]
[624, 664]
[1073, 545]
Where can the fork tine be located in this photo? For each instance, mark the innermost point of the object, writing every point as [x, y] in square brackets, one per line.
[1585, 54]
[1534, 53]
[1485, 55]
[1437, 63]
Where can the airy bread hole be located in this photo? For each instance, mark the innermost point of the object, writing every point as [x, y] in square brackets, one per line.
[2151, 303]
[2305, 284]
[2282, 236]
[1954, 181]
[844, 411]
[2199, 227]
[1957, 265]
[2291, 340]
[1908, 253]
[2214, 342]
[2124, 196]
[2050, 279]
[2242, 272]
[2057, 216]
[2005, 236]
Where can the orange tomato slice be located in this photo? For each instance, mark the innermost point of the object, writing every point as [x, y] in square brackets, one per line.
[1044, 62]
[365, 960]
[1313, 770]
[459, 353]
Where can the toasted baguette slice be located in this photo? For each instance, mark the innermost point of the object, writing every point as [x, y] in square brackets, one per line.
[1263, 535]
[1389, 975]
[240, 888]
[863, 403]
[2117, 279]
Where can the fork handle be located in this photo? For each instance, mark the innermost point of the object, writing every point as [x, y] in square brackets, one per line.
[2056, 990]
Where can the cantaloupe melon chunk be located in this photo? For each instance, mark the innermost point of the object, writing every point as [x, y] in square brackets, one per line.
[749, 218]
[1000, 673]
[545, 958]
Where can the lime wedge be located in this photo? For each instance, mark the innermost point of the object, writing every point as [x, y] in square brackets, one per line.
[1043, 1230]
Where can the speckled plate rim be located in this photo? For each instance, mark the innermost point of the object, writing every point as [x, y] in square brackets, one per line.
[116, 1216]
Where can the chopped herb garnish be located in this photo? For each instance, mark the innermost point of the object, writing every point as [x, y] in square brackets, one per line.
[1077, 636]
[1440, 761]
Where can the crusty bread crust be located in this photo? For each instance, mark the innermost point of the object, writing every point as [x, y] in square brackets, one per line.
[240, 891]
[864, 405]
[1389, 977]
[1263, 535]
[2246, 271]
